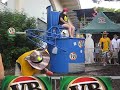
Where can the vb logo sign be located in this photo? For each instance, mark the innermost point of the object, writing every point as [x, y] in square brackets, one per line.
[86, 83]
[101, 20]
[73, 56]
[26, 83]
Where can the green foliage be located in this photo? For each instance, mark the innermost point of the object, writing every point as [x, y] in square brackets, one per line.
[101, 9]
[11, 55]
[113, 14]
[12, 47]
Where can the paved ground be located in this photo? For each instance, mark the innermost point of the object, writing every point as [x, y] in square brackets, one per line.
[116, 84]
[99, 69]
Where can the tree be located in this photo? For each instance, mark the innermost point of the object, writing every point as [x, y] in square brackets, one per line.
[111, 13]
[12, 47]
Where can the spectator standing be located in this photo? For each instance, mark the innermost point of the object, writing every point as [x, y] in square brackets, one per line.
[97, 51]
[115, 48]
[89, 49]
[118, 42]
[105, 45]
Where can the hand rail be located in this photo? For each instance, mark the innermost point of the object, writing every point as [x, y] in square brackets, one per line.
[30, 35]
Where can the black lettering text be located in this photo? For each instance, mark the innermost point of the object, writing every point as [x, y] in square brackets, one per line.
[30, 86]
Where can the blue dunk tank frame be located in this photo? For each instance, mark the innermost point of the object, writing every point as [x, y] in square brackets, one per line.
[69, 56]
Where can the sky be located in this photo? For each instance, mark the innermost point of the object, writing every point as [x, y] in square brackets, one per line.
[106, 4]
[90, 4]
[4, 1]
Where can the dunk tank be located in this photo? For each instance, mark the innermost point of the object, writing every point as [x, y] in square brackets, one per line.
[66, 54]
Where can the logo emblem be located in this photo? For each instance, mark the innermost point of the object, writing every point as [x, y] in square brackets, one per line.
[81, 43]
[101, 20]
[86, 83]
[73, 56]
[26, 83]
[11, 32]
[64, 33]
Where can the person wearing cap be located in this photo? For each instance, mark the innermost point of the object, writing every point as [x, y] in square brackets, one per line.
[94, 12]
[1, 68]
[105, 45]
[63, 20]
[33, 62]
[118, 42]
[114, 48]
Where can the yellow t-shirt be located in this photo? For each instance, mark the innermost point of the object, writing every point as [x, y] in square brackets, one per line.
[65, 18]
[105, 43]
[26, 68]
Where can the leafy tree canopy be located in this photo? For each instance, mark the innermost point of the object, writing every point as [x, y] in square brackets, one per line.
[12, 47]
[113, 14]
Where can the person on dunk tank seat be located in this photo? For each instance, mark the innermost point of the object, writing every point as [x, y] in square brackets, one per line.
[63, 20]
[33, 63]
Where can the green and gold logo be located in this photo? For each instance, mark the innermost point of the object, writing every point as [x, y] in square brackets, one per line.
[26, 83]
[86, 83]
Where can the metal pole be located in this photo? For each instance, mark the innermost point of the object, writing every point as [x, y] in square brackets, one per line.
[55, 78]
[20, 32]
[112, 77]
[84, 19]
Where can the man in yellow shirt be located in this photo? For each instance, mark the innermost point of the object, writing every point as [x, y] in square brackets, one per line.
[105, 45]
[34, 62]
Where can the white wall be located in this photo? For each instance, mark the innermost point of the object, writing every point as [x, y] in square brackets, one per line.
[36, 8]
[11, 4]
[57, 5]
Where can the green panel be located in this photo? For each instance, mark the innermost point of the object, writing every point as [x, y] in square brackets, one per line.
[104, 82]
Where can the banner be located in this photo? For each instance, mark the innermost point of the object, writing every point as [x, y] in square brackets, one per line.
[66, 83]
[26, 83]
[85, 83]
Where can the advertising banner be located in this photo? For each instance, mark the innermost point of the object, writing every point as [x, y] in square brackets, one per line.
[85, 83]
[26, 83]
